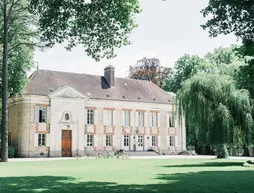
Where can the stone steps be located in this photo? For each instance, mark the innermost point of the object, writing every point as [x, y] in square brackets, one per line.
[142, 153]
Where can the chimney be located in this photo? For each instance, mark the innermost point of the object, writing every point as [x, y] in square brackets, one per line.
[109, 75]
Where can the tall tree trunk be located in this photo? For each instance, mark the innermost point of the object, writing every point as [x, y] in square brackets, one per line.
[4, 145]
[221, 151]
[246, 151]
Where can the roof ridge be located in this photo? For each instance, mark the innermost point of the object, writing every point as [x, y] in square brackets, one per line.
[58, 71]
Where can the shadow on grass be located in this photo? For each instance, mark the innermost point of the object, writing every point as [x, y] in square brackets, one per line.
[206, 164]
[200, 182]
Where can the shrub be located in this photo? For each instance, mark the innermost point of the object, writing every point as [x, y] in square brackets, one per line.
[249, 163]
[11, 152]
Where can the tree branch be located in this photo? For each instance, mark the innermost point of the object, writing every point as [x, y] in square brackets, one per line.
[1, 5]
[38, 45]
[10, 10]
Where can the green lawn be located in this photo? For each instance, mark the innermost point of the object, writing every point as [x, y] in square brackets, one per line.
[128, 176]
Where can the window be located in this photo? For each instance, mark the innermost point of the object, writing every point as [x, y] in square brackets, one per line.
[153, 140]
[126, 140]
[109, 140]
[89, 140]
[41, 139]
[42, 114]
[171, 121]
[126, 118]
[67, 117]
[140, 119]
[90, 117]
[172, 141]
[154, 119]
[140, 140]
[109, 117]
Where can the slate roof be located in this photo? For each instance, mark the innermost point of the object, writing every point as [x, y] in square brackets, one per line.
[45, 82]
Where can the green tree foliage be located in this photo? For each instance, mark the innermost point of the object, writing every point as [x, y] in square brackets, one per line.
[246, 72]
[221, 60]
[185, 67]
[216, 109]
[17, 37]
[100, 25]
[150, 69]
[208, 94]
[230, 16]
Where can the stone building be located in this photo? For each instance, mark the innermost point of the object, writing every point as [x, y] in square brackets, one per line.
[70, 114]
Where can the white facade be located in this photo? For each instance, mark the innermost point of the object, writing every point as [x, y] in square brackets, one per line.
[113, 125]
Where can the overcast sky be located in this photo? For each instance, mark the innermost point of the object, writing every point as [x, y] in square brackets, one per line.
[167, 30]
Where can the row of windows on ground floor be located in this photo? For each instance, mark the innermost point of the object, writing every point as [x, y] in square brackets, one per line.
[109, 140]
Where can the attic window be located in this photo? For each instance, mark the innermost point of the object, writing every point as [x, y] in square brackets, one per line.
[138, 98]
[107, 95]
[123, 97]
[154, 99]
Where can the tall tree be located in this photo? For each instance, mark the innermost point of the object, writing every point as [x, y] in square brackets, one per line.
[245, 74]
[216, 109]
[222, 61]
[230, 16]
[150, 69]
[185, 67]
[16, 38]
[100, 26]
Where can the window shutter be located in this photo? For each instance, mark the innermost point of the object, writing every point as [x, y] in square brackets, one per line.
[36, 114]
[159, 141]
[150, 141]
[137, 119]
[159, 119]
[95, 117]
[176, 142]
[167, 141]
[35, 139]
[85, 140]
[167, 120]
[146, 119]
[150, 119]
[104, 141]
[48, 114]
[95, 141]
[132, 118]
[105, 117]
[123, 119]
[115, 143]
[114, 117]
[122, 141]
[48, 140]
[85, 117]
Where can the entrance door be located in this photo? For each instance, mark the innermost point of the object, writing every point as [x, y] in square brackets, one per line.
[66, 143]
[126, 142]
[140, 143]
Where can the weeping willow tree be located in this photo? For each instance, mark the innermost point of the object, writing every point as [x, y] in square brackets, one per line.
[216, 110]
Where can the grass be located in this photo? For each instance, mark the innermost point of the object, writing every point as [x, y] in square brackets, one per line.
[127, 176]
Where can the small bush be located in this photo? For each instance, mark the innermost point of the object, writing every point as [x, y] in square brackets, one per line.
[249, 163]
[221, 151]
[11, 152]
